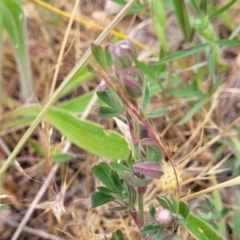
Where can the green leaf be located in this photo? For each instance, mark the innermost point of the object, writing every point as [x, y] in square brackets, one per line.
[117, 235]
[102, 171]
[150, 229]
[183, 19]
[35, 145]
[211, 65]
[165, 203]
[78, 104]
[159, 19]
[111, 99]
[120, 168]
[61, 158]
[147, 70]
[146, 97]
[115, 179]
[236, 219]
[14, 22]
[79, 77]
[200, 229]
[183, 209]
[136, 182]
[159, 234]
[117, 209]
[101, 56]
[152, 211]
[175, 204]
[183, 53]
[88, 135]
[193, 111]
[157, 113]
[106, 190]
[186, 93]
[100, 198]
[221, 10]
[106, 112]
[226, 42]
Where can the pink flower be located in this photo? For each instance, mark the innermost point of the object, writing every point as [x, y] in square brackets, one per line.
[163, 216]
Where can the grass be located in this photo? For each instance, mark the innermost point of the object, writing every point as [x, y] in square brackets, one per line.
[48, 147]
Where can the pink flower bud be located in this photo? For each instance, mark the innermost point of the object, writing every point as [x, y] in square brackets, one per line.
[150, 169]
[163, 217]
[123, 53]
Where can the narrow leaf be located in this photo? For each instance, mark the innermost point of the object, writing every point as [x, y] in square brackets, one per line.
[157, 113]
[146, 97]
[221, 10]
[119, 167]
[226, 42]
[211, 65]
[81, 76]
[183, 53]
[186, 93]
[159, 22]
[165, 203]
[182, 16]
[236, 219]
[193, 111]
[88, 135]
[61, 158]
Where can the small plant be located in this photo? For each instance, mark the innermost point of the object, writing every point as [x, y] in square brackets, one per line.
[126, 94]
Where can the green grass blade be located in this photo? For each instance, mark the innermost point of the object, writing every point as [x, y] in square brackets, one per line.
[226, 42]
[182, 16]
[183, 53]
[186, 93]
[88, 135]
[221, 10]
[1, 33]
[211, 65]
[81, 76]
[236, 219]
[159, 19]
[193, 111]
[15, 24]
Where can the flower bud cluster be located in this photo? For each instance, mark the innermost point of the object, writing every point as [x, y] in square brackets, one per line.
[123, 55]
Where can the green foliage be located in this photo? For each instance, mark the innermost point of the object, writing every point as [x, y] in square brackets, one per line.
[61, 158]
[193, 111]
[117, 235]
[111, 99]
[182, 53]
[81, 76]
[183, 19]
[88, 135]
[13, 21]
[236, 214]
[200, 229]
[159, 19]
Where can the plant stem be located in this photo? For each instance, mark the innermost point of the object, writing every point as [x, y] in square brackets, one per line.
[136, 134]
[141, 191]
[136, 219]
[133, 111]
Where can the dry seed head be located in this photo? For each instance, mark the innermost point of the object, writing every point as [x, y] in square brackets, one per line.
[172, 148]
